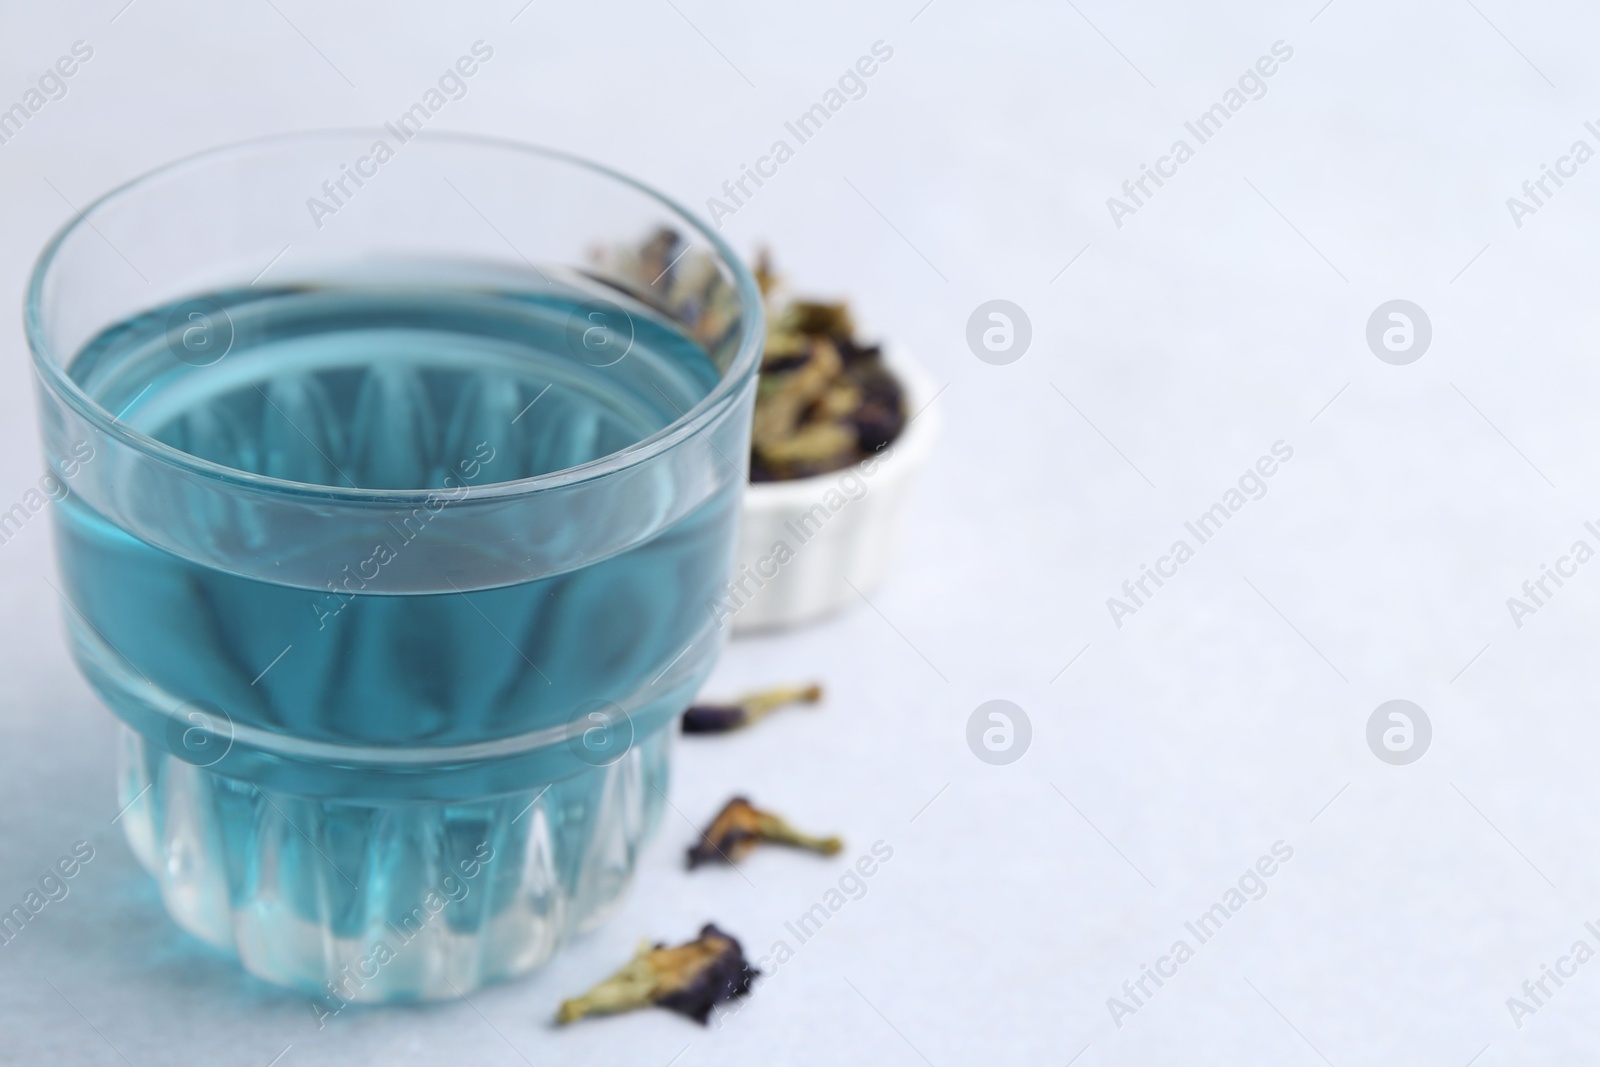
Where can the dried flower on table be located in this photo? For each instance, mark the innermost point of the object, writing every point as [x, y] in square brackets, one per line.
[720, 718]
[690, 979]
[740, 826]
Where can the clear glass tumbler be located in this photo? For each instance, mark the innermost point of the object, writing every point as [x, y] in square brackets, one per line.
[399, 475]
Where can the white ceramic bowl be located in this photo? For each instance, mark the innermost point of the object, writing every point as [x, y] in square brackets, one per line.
[804, 542]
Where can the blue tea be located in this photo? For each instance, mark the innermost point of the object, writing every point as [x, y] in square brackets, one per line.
[406, 761]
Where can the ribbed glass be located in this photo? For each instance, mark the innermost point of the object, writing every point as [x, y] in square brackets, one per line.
[390, 532]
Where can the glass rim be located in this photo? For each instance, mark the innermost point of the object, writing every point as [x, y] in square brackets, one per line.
[54, 374]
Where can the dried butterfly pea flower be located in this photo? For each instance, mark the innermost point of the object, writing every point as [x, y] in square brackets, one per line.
[720, 718]
[689, 979]
[740, 826]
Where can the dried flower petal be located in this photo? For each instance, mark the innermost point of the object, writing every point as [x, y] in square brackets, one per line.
[714, 972]
[690, 979]
[740, 826]
[720, 718]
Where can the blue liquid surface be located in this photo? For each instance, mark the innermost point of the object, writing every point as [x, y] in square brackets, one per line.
[431, 388]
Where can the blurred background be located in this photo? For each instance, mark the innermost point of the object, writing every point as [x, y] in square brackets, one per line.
[1180, 331]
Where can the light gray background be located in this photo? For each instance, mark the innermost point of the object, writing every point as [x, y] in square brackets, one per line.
[1228, 714]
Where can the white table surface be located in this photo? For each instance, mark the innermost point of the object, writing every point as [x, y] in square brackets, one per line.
[1222, 317]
